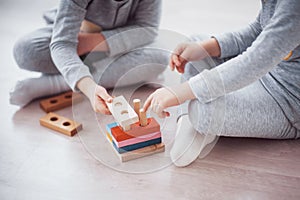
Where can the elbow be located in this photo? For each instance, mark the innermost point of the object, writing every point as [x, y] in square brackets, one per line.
[149, 34]
[59, 46]
[149, 31]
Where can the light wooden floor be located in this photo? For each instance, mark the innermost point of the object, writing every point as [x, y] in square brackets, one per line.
[36, 163]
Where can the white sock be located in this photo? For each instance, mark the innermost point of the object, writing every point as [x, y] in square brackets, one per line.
[189, 144]
[27, 90]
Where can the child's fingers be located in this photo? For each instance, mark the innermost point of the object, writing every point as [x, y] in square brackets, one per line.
[171, 64]
[176, 60]
[180, 69]
[147, 103]
[105, 110]
[166, 114]
[101, 108]
[163, 114]
[105, 96]
[159, 110]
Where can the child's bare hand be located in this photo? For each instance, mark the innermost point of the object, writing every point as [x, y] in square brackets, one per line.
[97, 94]
[186, 52]
[99, 99]
[163, 98]
[160, 100]
[177, 62]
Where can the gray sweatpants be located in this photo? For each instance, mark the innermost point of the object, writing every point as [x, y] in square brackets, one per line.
[248, 112]
[32, 53]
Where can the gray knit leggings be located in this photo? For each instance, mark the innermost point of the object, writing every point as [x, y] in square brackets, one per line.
[248, 112]
[32, 53]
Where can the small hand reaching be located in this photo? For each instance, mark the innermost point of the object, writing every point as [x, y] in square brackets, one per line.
[193, 51]
[99, 99]
[163, 98]
[160, 100]
[186, 52]
[97, 95]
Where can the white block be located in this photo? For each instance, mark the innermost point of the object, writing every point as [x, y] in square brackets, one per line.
[122, 112]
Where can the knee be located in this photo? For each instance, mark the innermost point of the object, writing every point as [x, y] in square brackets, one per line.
[21, 52]
[154, 61]
[203, 117]
[29, 52]
[159, 57]
[189, 71]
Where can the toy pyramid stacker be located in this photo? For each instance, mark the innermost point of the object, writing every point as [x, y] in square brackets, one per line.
[133, 135]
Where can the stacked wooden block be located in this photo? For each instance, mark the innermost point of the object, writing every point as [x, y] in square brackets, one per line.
[133, 135]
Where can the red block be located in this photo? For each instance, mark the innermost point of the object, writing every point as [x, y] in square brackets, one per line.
[136, 130]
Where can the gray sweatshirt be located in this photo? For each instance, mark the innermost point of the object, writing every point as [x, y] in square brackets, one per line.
[259, 50]
[126, 24]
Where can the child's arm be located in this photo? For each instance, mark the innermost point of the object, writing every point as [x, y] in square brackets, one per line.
[63, 46]
[236, 42]
[223, 45]
[65, 56]
[64, 41]
[277, 39]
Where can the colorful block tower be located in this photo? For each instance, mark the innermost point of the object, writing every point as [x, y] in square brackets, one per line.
[133, 135]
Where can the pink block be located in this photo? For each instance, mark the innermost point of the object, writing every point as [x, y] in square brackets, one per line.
[136, 140]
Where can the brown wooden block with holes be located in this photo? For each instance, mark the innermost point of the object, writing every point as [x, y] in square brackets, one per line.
[60, 101]
[60, 124]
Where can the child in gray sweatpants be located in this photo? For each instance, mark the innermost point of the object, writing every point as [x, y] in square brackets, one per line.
[249, 88]
[109, 32]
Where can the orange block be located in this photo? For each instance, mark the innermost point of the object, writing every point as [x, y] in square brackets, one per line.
[136, 130]
[60, 101]
[60, 124]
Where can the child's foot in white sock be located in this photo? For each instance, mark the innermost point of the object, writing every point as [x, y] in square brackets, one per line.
[27, 90]
[189, 144]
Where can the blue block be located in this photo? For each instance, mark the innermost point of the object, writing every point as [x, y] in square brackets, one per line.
[110, 126]
[136, 146]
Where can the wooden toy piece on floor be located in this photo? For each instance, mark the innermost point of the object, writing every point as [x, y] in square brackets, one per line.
[60, 101]
[122, 112]
[60, 124]
[139, 153]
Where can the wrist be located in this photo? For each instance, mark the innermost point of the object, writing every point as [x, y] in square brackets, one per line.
[184, 92]
[87, 86]
[212, 47]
